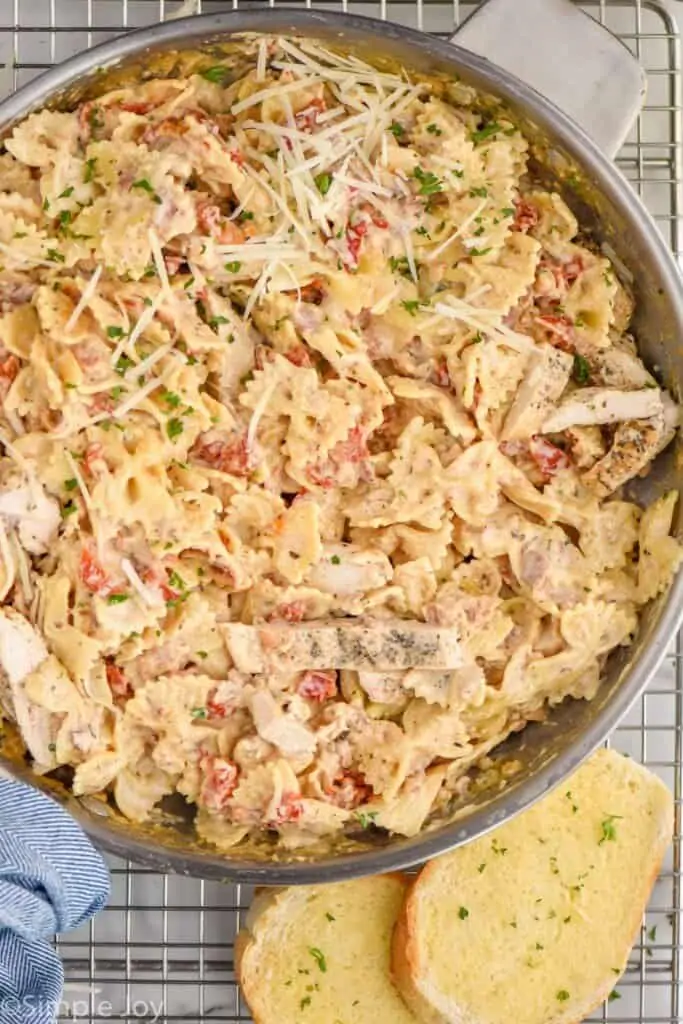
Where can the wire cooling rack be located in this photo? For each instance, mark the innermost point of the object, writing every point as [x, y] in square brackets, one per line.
[163, 949]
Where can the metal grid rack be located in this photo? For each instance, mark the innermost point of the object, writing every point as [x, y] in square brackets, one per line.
[163, 949]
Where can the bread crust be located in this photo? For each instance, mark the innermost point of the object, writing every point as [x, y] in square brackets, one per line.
[411, 976]
[268, 901]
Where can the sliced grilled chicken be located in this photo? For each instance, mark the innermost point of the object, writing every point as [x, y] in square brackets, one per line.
[545, 379]
[35, 515]
[379, 645]
[589, 406]
[345, 570]
[635, 443]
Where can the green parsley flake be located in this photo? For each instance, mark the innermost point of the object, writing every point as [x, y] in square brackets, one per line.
[89, 172]
[609, 832]
[481, 192]
[54, 255]
[115, 332]
[66, 193]
[323, 183]
[202, 654]
[123, 363]
[246, 215]
[215, 74]
[478, 252]
[581, 369]
[482, 867]
[434, 129]
[366, 819]
[176, 581]
[329, 916]
[429, 183]
[463, 913]
[507, 211]
[233, 267]
[68, 509]
[396, 129]
[171, 398]
[117, 598]
[613, 996]
[319, 958]
[218, 321]
[411, 306]
[485, 133]
[174, 428]
[306, 1001]
[199, 713]
[71, 485]
[562, 996]
[336, 560]
[146, 186]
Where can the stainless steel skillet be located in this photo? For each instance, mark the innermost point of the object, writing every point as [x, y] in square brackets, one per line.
[574, 163]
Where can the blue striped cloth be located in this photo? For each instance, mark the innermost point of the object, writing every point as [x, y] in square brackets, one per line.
[51, 880]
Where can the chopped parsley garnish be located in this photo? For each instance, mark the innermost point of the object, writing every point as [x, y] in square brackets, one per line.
[174, 428]
[323, 183]
[411, 306]
[54, 255]
[198, 712]
[562, 996]
[52, 747]
[463, 913]
[171, 398]
[613, 995]
[319, 958]
[481, 192]
[652, 933]
[115, 332]
[429, 183]
[176, 581]
[485, 133]
[71, 485]
[507, 211]
[146, 186]
[95, 119]
[202, 654]
[609, 832]
[306, 1001]
[215, 74]
[89, 172]
[233, 266]
[396, 129]
[539, 947]
[246, 215]
[329, 916]
[66, 193]
[217, 321]
[123, 363]
[366, 818]
[434, 129]
[46, 203]
[581, 369]
[422, 231]
[482, 867]
[479, 252]
[69, 509]
[399, 263]
[116, 392]
[117, 598]
[336, 560]
[569, 797]
[497, 848]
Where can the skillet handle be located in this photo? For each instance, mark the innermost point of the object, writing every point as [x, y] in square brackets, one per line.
[566, 56]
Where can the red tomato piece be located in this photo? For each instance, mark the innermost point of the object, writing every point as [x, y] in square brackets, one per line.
[317, 685]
